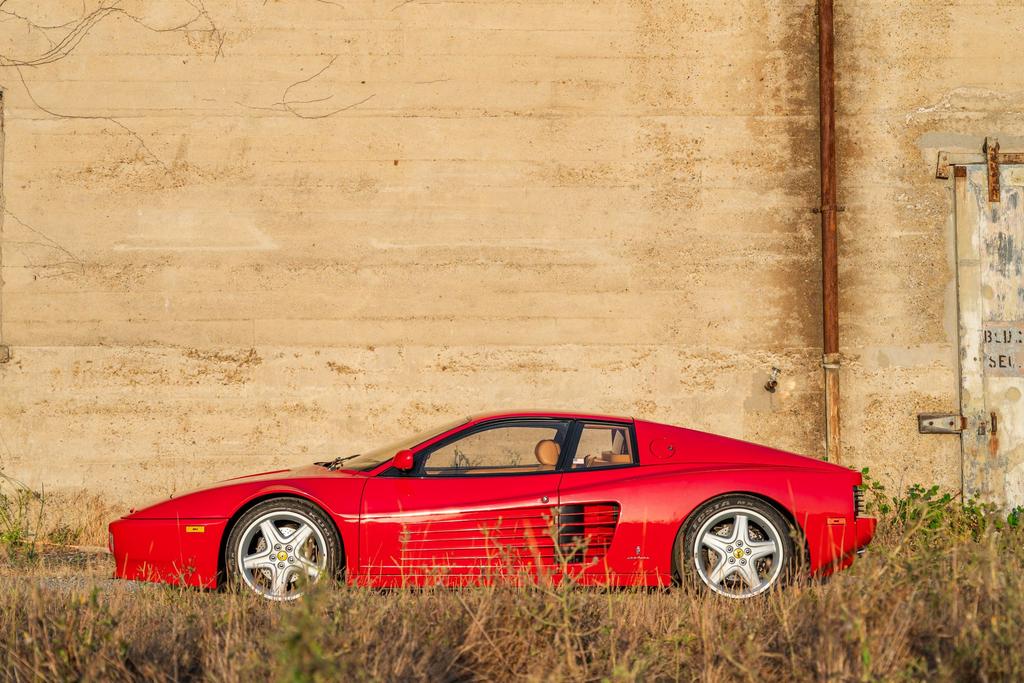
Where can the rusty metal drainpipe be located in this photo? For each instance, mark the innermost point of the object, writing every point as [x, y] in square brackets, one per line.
[829, 245]
[5, 351]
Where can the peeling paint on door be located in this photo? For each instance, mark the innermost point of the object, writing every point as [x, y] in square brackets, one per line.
[990, 263]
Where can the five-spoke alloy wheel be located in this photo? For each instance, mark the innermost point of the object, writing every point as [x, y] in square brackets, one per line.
[281, 545]
[737, 546]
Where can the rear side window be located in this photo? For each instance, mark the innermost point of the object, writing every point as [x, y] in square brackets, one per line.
[603, 445]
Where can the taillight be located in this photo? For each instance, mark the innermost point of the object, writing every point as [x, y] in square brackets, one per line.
[858, 502]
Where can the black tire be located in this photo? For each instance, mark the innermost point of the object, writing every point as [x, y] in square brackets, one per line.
[322, 548]
[697, 564]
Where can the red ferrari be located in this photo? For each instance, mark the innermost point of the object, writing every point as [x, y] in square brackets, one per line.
[514, 496]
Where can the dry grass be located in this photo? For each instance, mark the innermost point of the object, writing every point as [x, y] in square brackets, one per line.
[29, 516]
[941, 596]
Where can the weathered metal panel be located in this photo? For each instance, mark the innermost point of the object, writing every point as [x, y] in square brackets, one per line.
[990, 282]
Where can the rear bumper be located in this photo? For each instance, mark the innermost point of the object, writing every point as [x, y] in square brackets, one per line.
[864, 531]
[842, 542]
[177, 551]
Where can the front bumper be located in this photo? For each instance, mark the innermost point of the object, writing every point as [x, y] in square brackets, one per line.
[177, 551]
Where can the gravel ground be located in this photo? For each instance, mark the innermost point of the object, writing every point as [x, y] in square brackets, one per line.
[64, 568]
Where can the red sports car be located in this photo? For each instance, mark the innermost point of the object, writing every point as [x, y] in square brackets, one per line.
[513, 496]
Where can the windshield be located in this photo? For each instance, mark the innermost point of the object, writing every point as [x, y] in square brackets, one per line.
[370, 459]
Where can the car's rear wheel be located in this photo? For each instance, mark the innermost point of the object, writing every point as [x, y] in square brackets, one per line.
[280, 546]
[737, 546]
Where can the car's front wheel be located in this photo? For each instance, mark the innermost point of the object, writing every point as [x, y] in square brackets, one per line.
[737, 546]
[280, 546]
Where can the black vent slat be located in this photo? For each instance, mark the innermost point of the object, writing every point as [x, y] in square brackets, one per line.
[585, 530]
[858, 501]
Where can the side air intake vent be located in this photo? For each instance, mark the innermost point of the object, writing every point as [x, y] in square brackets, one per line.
[585, 531]
[858, 501]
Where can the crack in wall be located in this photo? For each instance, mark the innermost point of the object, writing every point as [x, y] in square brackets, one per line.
[285, 104]
[80, 29]
[69, 264]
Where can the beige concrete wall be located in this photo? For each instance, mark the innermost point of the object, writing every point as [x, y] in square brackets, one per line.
[915, 78]
[246, 235]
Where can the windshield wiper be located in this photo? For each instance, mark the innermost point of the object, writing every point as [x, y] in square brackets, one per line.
[333, 464]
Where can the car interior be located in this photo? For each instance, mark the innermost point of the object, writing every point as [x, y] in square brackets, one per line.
[503, 450]
[603, 446]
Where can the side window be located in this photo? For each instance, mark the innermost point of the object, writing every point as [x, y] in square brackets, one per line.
[518, 448]
[603, 445]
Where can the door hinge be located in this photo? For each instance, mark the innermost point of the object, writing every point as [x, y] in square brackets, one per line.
[990, 156]
[992, 163]
[940, 423]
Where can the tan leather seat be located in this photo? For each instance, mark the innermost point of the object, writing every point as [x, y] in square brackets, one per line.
[619, 441]
[608, 458]
[546, 451]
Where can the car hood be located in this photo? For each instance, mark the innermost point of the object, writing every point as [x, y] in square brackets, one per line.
[221, 499]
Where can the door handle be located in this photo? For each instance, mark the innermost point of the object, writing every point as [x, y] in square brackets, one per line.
[543, 499]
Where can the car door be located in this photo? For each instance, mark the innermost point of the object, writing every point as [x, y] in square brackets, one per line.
[477, 504]
[601, 514]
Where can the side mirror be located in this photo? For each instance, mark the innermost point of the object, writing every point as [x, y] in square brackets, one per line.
[403, 461]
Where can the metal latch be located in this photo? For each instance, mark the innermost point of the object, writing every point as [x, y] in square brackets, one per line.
[983, 425]
[940, 423]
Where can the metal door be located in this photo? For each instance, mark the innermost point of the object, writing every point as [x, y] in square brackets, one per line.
[990, 292]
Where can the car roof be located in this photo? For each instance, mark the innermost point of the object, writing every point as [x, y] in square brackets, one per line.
[571, 415]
